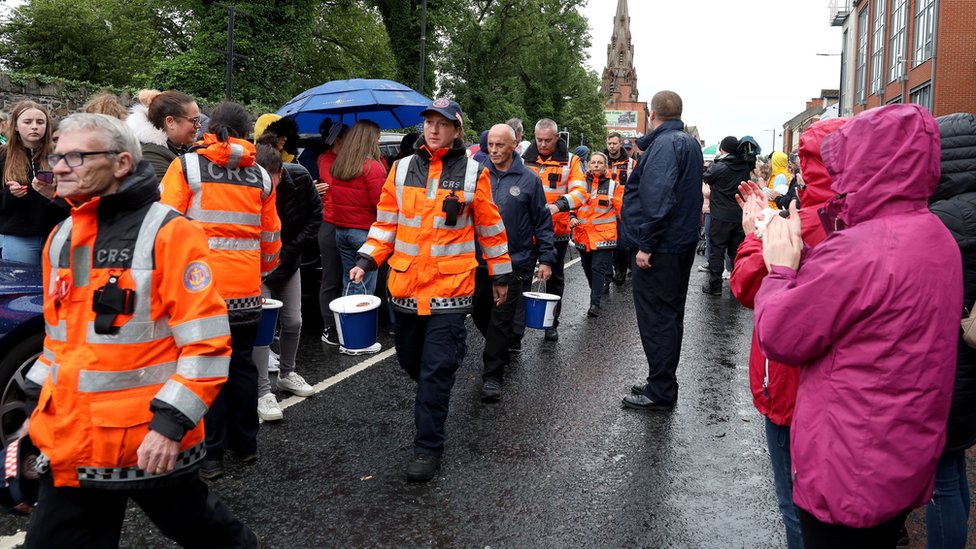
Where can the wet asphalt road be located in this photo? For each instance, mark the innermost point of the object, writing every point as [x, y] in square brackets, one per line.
[558, 463]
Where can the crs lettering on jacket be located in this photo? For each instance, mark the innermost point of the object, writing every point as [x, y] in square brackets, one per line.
[250, 176]
[113, 255]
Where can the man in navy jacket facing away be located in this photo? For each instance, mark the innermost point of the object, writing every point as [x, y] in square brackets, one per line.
[662, 202]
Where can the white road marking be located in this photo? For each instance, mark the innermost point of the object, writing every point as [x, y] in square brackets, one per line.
[16, 540]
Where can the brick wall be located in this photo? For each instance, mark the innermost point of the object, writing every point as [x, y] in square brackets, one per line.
[60, 98]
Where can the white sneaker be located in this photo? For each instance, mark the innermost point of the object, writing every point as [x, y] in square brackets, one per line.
[726, 274]
[295, 384]
[268, 408]
[372, 349]
[703, 268]
[273, 362]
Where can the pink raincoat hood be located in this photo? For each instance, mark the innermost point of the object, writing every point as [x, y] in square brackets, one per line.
[893, 171]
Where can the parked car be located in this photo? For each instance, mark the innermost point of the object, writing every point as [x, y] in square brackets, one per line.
[21, 339]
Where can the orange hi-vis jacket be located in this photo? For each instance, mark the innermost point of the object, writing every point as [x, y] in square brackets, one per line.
[597, 228]
[620, 168]
[156, 359]
[433, 263]
[562, 177]
[220, 187]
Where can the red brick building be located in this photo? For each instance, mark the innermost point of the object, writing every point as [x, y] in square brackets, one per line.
[907, 51]
[624, 112]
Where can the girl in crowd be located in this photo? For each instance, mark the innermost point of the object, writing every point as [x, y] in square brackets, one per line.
[166, 125]
[595, 228]
[357, 179]
[27, 213]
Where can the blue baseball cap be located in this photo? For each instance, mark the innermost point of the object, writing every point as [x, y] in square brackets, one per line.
[447, 108]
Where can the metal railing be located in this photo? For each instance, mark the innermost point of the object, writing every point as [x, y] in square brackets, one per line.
[839, 10]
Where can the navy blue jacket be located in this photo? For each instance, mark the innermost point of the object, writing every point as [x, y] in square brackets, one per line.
[663, 198]
[520, 198]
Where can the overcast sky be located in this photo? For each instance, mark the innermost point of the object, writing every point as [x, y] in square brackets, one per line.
[740, 67]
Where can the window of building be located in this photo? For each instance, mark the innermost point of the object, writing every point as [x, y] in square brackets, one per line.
[860, 77]
[844, 60]
[620, 58]
[922, 95]
[924, 30]
[894, 101]
[878, 46]
[896, 49]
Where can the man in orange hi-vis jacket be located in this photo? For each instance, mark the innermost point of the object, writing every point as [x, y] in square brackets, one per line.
[432, 205]
[137, 347]
[219, 186]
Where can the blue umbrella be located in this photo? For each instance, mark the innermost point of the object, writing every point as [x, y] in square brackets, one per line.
[389, 104]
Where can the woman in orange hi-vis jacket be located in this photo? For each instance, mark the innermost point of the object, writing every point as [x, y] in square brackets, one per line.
[219, 185]
[432, 205]
[595, 228]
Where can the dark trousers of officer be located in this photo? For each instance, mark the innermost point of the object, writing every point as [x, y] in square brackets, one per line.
[659, 299]
[726, 236]
[621, 257]
[557, 282]
[331, 286]
[518, 323]
[92, 517]
[232, 421]
[496, 324]
[430, 349]
[596, 267]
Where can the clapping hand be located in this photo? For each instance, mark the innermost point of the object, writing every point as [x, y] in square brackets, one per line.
[783, 243]
[752, 200]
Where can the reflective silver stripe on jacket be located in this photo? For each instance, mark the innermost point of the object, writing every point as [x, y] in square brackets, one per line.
[200, 329]
[242, 303]
[239, 244]
[471, 173]
[183, 399]
[266, 184]
[367, 249]
[386, 217]
[54, 251]
[225, 217]
[381, 234]
[236, 153]
[566, 170]
[501, 268]
[406, 248]
[81, 258]
[492, 252]
[270, 236]
[95, 476]
[575, 198]
[97, 381]
[603, 221]
[57, 332]
[447, 250]
[492, 230]
[414, 222]
[38, 373]
[200, 367]
[268, 258]
[48, 354]
[191, 161]
[131, 332]
[402, 167]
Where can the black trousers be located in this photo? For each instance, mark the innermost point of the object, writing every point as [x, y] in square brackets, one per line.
[91, 517]
[331, 286]
[557, 282]
[232, 421]
[818, 534]
[518, 323]
[726, 236]
[596, 267]
[496, 324]
[431, 349]
[621, 256]
[659, 300]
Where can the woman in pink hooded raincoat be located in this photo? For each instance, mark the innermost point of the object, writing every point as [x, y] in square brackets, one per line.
[871, 318]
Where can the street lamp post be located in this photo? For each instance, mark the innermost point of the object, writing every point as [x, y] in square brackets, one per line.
[423, 44]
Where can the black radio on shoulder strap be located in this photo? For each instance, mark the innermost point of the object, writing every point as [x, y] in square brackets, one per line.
[110, 301]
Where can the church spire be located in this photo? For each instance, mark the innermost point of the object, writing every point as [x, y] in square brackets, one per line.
[619, 76]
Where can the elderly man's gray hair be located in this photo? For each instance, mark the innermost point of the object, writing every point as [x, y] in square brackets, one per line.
[546, 124]
[117, 136]
[516, 125]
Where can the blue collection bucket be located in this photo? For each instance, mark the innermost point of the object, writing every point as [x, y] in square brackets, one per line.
[355, 318]
[540, 309]
[269, 319]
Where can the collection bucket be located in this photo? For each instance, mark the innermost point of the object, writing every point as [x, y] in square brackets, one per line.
[355, 318]
[269, 318]
[540, 309]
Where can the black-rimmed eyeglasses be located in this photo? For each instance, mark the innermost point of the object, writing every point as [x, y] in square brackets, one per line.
[74, 158]
[195, 120]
